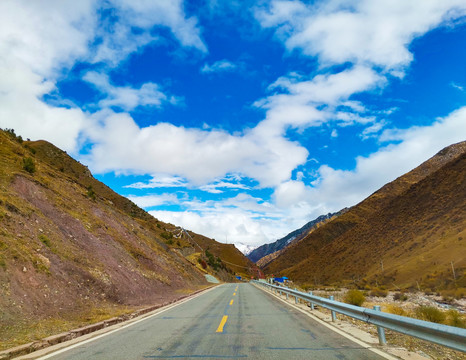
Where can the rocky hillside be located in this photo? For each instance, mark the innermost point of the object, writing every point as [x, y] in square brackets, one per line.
[272, 250]
[410, 233]
[73, 251]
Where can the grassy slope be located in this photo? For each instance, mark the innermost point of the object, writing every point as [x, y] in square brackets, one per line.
[414, 225]
[70, 255]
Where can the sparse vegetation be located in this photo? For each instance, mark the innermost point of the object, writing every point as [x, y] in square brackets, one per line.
[354, 297]
[80, 254]
[202, 262]
[90, 192]
[45, 240]
[214, 263]
[430, 313]
[400, 296]
[378, 292]
[455, 318]
[396, 310]
[28, 165]
[167, 236]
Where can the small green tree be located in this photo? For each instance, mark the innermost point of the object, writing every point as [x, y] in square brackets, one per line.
[28, 165]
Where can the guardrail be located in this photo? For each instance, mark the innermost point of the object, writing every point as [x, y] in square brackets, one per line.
[445, 335]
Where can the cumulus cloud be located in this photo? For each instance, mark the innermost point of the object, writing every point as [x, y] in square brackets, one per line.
[298, 103]
[200, 156]
[341, 188]
[362, 32]
[242, 218]
[127, 97]
[114, 41]
[41, 40]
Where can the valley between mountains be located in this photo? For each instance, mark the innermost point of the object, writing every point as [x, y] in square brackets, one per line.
[74, 252]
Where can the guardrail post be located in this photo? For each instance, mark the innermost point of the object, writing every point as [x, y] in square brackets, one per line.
[380, 330]
[286, 296]
[312, 304]
[334, 314]
[295, 298]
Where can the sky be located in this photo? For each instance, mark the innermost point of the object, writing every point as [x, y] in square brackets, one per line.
[239, 120]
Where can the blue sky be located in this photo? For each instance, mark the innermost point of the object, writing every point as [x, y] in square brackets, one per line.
[241, 120]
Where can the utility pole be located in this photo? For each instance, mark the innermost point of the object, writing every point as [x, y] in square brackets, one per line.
[453, 269]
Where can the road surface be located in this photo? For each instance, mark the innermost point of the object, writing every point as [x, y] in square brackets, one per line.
[232, 321]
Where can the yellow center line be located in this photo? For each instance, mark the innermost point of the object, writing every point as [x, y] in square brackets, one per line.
[222, 324]
[231, 302]
[234, 294]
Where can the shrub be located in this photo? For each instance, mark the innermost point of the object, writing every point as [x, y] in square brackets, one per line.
[396, 310]
[90, 192]
[430, 313]
[400, 297]
[202, 262]
[455, 319]
[378, 292]
[45, 240]
[28, 165]
[354, 297]
[167, 235]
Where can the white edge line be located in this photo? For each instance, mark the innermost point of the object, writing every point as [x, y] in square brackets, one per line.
[169, 307]
[335, 329]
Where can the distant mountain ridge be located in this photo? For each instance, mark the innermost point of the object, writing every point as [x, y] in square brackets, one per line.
[268, 249]
[409, 233]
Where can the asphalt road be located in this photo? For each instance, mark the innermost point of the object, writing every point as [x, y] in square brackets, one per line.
[232, 321]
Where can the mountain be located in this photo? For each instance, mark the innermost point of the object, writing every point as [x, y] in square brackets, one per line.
[273, 248]
[245, 248]
[72, 251]
[410, 233]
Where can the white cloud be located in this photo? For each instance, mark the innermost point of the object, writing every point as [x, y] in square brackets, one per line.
[240, 219]
[363, 32]
[219, 66]
[160, 181]
[41, 40]
[215, 187]
[299, 105]
[117, 38]
[199, 156]
[126, 97]
[456, 86]
[147, 201]
[339, 188]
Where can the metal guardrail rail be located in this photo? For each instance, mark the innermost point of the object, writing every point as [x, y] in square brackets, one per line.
[450, 336]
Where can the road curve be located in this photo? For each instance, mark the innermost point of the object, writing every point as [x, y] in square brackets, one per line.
[232, 321]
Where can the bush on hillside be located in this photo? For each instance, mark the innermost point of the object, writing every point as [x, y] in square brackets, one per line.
[28, 165]
[354, 297]
[90, 192]
[430, 313]
[455, 318]
[378, 292]
[400, 297]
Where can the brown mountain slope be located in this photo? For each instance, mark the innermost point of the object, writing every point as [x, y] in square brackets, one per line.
[409, 232]
[73, 251]
[262, 262]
